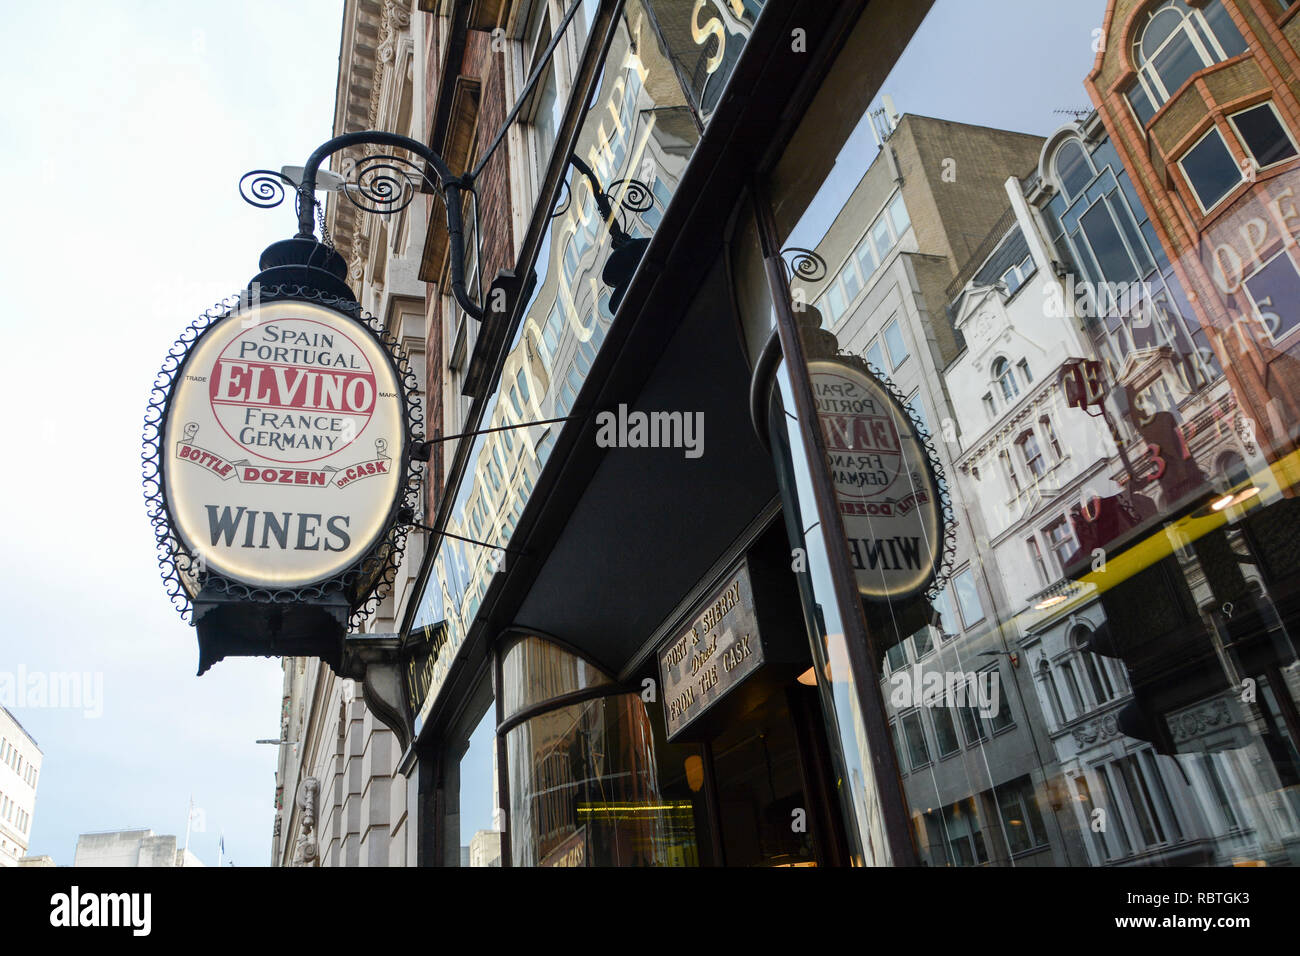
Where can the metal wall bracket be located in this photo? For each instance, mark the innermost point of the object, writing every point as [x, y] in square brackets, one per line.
[373, 660]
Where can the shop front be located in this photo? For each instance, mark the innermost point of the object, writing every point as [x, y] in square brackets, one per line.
[886, 524]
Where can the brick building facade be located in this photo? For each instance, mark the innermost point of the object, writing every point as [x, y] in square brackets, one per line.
[1202, 101]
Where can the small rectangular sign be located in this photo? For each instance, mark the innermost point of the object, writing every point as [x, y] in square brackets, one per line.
[716, 651]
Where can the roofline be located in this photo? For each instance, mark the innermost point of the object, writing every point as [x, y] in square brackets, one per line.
[26, 732]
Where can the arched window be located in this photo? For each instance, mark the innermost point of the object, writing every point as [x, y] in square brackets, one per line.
[1073, 170]
[1006, 380]
[1178, 41]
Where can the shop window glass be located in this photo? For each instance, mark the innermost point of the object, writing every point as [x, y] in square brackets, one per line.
[1211, 170]
[1263, 135]
[1275, 292]
[1156, 348]
[584, 790]
[534, 671]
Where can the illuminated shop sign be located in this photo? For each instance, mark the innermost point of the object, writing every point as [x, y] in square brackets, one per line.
[281, 456]
[277, 463]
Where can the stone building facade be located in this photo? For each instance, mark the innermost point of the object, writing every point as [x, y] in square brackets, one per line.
[340, 800]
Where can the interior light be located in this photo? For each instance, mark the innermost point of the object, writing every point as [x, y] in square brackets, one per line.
[808, 677]
[694, 773]
[1245, 495]
[1228, 500]
[1052, 601]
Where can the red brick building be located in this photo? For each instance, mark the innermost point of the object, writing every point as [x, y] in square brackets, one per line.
[1202, 100]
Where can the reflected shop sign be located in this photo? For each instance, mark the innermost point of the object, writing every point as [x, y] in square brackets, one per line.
[885, 478]
[713, 654]
[278, 462]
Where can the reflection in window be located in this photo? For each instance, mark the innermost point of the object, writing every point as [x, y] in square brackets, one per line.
[1211, 170]
[1263, 135]
[1022, 821]
[1009, 472]
[955, 831]
[1275, 293]
[1006, 380]
[1178, 41]
[968, 599]
[945, 732]
[918, 751]
[583, 790]
[1060, 540]
[1036, 556]
[1031, 454]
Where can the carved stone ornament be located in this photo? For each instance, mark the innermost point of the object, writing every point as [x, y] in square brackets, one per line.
[307, 852]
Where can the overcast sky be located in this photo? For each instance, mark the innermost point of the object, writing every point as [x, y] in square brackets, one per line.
[123, 135]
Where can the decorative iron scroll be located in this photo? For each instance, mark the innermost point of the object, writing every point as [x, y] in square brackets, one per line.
[804, 264]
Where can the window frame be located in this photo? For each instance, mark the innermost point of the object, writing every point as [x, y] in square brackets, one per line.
[1196, 28]
[1250, 153]
[1196, 193]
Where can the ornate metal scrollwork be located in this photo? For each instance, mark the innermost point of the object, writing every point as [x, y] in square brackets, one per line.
[804, 264]
[637, 196]
[264, 188]
[381, 183]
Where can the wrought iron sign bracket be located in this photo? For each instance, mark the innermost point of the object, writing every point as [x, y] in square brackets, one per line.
[382, 186]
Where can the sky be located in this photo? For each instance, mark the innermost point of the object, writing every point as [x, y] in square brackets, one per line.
[122, 140]
[1006, 64]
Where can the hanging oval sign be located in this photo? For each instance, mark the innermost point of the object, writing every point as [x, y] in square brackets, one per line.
[886, 481]
[283, 446]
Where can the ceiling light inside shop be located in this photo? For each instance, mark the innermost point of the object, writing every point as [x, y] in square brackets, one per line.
[808, 677]
[1052, 601]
